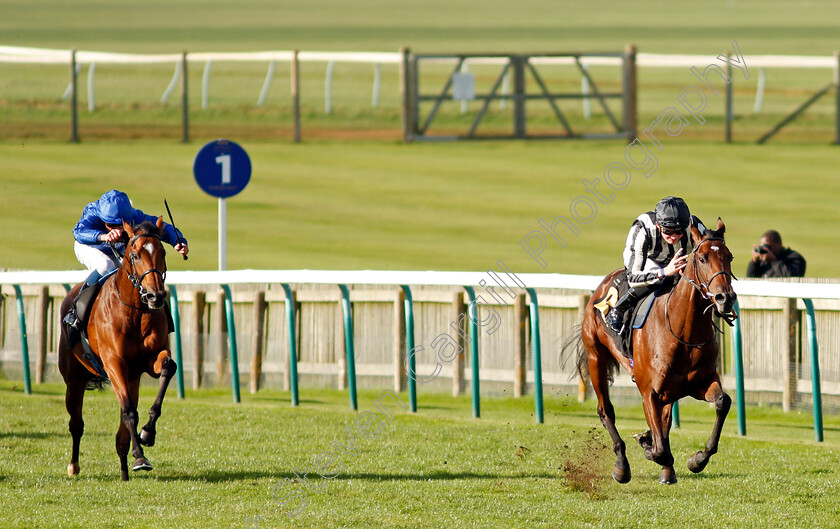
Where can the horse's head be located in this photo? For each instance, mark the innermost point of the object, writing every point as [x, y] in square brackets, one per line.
[710, 268]
[146, 260]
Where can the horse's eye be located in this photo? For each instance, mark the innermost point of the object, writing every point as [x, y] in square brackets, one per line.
[702, 259]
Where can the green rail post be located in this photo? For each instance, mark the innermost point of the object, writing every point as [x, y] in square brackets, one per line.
[348, 345]
[675, 414]
[737, 349]
[537, 353]
[291, 320]
[409, 345]
[24, 341]
[66, 287]
[176, 318]
[234, 354]
[815, 368]
[473, 317]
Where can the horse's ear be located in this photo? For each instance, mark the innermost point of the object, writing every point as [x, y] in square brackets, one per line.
[128, 229]
[696, 236]
[159, 224]
[721, 228]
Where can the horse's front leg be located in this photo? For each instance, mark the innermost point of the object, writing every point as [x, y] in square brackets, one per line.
[165, 368]
[655, 442]
[127, 393]
[714, 393]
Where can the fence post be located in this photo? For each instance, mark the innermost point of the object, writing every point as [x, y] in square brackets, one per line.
[518, 62]
[583, 388]
[458, 317]
[24, 341]
[176, 319]
[815, 369]
[43, 315]
[259, 333]
[629, 91]
[185, 108]
[199, 304]
[409, 346]
[399, 341]
[349, 348]
[291, 322]
[519, 369]
[789, 315]
[74, 110]
[537, 354]
[472, 313]
[405, 91]
[221, 342]
[234, 354]
[737, 351]
[296, 95]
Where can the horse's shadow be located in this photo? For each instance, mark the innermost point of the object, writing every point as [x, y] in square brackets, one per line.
[221, 476]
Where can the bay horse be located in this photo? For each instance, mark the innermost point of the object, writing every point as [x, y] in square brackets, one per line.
[128, 332]
[674, 355]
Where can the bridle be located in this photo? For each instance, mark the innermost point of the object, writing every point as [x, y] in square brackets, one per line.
[703, 287]
[137, 280]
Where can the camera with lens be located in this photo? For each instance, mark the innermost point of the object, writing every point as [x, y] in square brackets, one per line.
[763, 249]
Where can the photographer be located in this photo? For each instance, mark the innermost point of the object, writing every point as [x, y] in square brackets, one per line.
[770, 259]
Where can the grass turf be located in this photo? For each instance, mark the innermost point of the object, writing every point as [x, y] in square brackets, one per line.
[380, 205]
[217, 463]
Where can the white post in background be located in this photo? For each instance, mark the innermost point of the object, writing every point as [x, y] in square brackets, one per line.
[222, 234]
[269, 76]
[377, 84]
[759, 92]
[584, 89]
[464, 69]
[205, 83]
[91, 98]
[172, 84]
[328, 87]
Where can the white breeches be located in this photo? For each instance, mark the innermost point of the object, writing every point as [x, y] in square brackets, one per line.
[93, 259]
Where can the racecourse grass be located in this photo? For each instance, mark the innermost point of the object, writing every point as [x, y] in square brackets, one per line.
[216, 463]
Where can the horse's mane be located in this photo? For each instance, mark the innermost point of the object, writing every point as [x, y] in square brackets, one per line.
[146, 227]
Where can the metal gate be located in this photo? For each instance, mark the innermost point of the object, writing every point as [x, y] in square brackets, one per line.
[521, 68]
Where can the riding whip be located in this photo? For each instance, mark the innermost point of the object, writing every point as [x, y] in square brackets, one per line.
[177, 234]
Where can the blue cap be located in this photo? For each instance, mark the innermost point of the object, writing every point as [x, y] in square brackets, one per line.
[114, 207]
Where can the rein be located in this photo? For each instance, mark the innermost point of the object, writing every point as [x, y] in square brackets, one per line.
[137, 281]
[703, 288]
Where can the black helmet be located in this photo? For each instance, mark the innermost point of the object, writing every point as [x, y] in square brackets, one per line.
[673, 213]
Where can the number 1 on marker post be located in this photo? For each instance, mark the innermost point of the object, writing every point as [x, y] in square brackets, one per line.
[224, 160]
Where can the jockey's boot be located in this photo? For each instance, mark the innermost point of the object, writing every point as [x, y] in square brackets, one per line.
[615, 317]
[71, 317]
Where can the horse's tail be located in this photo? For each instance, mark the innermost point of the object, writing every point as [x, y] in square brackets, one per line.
[573, 344]
[573, 348]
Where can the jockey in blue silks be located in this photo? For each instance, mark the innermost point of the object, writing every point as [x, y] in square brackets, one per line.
[657, 247]
[101, 227]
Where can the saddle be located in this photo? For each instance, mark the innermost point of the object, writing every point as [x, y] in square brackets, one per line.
[634, 318]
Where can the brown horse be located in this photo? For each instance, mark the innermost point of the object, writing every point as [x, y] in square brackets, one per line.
[674, 355]
[128, 332]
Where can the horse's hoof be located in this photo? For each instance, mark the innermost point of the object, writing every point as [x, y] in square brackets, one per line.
[644, 439]
[141, 463]
[72, 469]
[147, 438]
[696, 463]
[668, 476]
[621, 475]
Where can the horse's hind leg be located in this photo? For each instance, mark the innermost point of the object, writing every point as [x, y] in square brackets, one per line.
[714, 393]
[73, 400]
[598, 359]
[166, 367]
